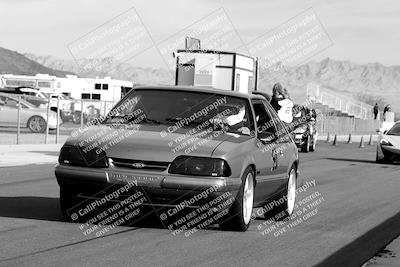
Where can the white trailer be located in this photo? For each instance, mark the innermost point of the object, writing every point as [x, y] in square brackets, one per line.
[217, 69]
[104, 89]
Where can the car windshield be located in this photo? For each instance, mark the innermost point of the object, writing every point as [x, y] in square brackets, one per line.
[182, 109]
[4, 99]
[395, 130]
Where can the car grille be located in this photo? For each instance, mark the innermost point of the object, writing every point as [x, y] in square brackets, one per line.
[140, 164]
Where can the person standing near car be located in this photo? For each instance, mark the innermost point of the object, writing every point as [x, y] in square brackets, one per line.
[386, 109]
[376, 111]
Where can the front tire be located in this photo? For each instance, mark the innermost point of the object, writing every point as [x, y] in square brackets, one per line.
[380, 160]
[240, 213]
[286, 199]
[306, 145]
[76, 117]
[68, 201]
[37, 124]
[314, 144]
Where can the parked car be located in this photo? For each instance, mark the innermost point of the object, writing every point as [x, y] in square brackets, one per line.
[30, 116]
[30, 95]
[304, 128]
[250, 154]
[388, 147]
[41, 99]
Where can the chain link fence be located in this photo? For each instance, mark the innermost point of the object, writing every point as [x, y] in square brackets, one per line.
[25, 120]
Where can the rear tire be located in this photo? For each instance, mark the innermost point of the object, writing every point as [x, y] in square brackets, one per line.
[291, 192]
[240, 213]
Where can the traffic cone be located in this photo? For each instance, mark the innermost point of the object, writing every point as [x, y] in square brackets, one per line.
[349, 141]
[362, 142]
[370, 143]
[327, 138]
[334, 141]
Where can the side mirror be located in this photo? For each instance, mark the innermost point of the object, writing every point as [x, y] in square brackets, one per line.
[385, 131]
[267, 137]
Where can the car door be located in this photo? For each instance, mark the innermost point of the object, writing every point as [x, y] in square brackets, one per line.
[8, 111]
[268, 177]
[284, 145]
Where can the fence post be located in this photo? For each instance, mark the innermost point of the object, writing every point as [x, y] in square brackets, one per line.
[18, 119]
[47, 120]
[81, 113]
[58, 117]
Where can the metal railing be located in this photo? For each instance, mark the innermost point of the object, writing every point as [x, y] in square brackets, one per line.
[341, 103]
[54, 122]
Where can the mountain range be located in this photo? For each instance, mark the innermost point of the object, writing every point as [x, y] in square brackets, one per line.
[12, 62]
[372, 82]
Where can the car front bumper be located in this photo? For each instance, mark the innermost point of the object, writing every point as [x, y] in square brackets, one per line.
[161, 188]
[391, 153]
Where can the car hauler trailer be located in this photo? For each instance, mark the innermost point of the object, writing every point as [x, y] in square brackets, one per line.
[218, 69]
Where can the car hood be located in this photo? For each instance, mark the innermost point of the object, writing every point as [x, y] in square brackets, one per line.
[393, 139]
[144, 143]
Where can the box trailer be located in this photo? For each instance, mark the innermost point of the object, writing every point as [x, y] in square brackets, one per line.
[218, 69]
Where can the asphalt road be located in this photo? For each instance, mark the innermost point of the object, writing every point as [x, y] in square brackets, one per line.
[357, 195]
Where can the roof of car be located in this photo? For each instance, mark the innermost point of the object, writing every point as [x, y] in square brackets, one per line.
[204, 89]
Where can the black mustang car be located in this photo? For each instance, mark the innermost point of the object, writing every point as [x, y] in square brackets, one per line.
[304, 130]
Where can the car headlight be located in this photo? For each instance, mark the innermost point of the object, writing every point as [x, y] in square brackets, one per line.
[301, 129]
[77, 156]
[385, 142]
[200, 166]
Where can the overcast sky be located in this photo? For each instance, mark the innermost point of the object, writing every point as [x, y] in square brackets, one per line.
[361, 31]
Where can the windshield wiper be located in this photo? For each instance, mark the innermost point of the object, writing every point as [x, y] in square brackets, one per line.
[125, 120]
[145, 119]
[178, 119]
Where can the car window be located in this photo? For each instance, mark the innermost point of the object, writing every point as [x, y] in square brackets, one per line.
[263, 118]
[2, 100]
[395, 130]
[11, 103]
[188, 108]
[7, 101]
[281, 131]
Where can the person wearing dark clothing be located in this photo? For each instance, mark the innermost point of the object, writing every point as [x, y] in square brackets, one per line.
[376, 111]
[277, 95]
